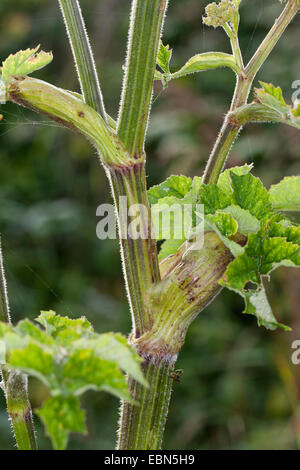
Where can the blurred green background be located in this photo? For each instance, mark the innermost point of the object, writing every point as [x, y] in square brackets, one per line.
[239, 389]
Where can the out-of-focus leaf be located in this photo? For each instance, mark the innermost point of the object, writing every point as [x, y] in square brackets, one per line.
[70, 358]
[62, 415]
[285, 196]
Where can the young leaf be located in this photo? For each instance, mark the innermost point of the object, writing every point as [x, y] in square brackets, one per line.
[285, 196]
[247, 223]
[164, 57]
[225, 226]
[202, 63]
[224, 181]
[224, 222]
[25, 62]
[250, 194]
[269, 106]
[175, 185]
[257, 304]
[213, 198]
[62, 415]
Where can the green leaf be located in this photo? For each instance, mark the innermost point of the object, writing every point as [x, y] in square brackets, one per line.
[271, 96]
[114, 347]
[250, 194]
[196, 185]
[224, 181]
[225, 226]
[164, 57]
[65, 330]
[261, 256]
[25, 62]
[84, 370]
[269, 106]
[175, 185]
[213, 198]
[61, 416]
[172, 217]
[224, 222]
[285, 229]
[35, 361]
[247, 223]
[169, 247]
[285, 196]
[70, 358]
[204, 62]
[257, 304]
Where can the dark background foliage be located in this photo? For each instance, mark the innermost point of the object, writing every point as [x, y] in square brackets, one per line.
[239, 388]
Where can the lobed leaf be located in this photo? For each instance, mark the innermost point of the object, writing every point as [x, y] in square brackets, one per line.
[62, 415]
[164, 57]
[175, 185]
[285, 196]
[69, 358]
[25, 62]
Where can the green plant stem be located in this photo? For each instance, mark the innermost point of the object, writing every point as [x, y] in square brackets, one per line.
[19, 410]
[142, 426]
[15, 385]
[144, 35]
[139, 256]
[227, 135]
[275, 33]
[230, 130]
[83, 55]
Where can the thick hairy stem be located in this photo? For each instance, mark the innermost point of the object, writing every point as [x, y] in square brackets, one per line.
[230, 130]
[142, 426]
[144, 34]
[19, 410]
[189, 283]
[138, 249]
[83, 55]
[15, 385]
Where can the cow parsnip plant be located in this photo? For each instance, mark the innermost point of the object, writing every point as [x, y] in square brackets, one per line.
[248, 232]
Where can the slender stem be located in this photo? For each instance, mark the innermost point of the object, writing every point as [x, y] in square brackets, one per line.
[83, 55]
[144, 35]
[270, 41]
[227, 135]
[142, 426]
[235, 46]
[15, 384]
[139, 255]
[4, 304]
[230, 130]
